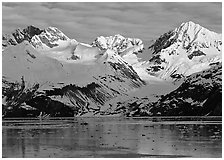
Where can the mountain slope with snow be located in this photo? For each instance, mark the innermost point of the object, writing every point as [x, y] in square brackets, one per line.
[128, 49]
[47, 73]
[188, 49]
[44, 77]
[119, 44]
[199, 95]
[19, 35]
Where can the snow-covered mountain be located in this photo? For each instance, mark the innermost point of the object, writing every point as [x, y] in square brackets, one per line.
[119, 44]
[19, 35]
[49, 38]
[199, 95]
[187, 49]
[49, 70]
[46, 72]
[128, 49]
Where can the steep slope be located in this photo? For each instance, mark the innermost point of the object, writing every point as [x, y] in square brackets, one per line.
[188, 49]
[128, 49]
[49, 38]
[19, 35]
[199, 95]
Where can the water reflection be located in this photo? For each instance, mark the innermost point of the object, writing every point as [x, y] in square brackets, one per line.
[111, 138]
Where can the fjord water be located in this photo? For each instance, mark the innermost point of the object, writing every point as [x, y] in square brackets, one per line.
[112, 137]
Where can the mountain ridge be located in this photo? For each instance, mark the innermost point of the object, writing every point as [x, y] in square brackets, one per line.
[74, 76]
[188, 45]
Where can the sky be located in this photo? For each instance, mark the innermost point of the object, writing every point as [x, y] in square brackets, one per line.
[87, 20]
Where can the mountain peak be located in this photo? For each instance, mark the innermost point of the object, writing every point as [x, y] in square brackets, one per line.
[118, 43]
[190, 34]
[56, 32]
[19, 35]
[189, 23]
[189, 26]
[49, 38]
[37, 37]
[187, 49]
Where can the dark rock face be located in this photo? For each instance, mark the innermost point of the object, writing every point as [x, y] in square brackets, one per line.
[47, 42]
[14, 95]
[200, 94]
[26, 34]
[20, 35]
[55, 35]
[196, 53]
[81, 95]
[163, 42]
[46, 106]
[70, 100]
[127, 73]
[153, 69]
[74, 57]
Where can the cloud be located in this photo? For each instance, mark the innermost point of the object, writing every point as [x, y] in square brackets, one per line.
[86, 21]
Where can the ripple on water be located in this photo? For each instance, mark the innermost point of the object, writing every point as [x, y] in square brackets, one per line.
[111, 138]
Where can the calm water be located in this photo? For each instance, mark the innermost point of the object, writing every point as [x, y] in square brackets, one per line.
[111, 137]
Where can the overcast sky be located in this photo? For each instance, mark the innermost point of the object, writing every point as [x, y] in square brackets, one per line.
[85, 21]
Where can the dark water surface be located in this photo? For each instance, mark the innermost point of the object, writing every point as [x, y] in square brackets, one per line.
[112, 137]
